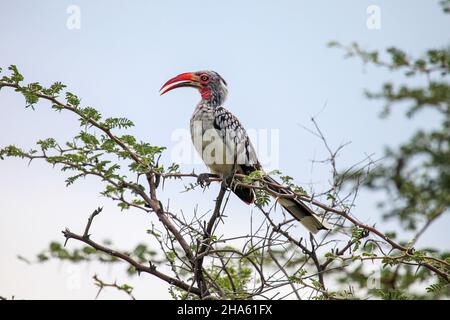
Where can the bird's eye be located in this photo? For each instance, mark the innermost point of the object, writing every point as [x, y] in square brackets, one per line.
[204, 78]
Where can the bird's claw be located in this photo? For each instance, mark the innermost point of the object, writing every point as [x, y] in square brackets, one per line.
[203, 180]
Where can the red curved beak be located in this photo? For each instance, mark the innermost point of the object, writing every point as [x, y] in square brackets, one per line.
[187, 79]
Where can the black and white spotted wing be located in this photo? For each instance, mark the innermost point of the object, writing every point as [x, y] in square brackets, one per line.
[236, 139]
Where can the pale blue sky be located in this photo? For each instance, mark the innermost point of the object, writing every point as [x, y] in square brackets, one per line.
[274, 57]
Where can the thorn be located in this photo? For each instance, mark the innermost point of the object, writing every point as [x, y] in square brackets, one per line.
[157, 181]
[66, 235]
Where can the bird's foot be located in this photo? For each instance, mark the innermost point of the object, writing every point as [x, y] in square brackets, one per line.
[204, 179]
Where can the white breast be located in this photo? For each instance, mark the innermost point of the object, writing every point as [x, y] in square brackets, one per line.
[211, 146]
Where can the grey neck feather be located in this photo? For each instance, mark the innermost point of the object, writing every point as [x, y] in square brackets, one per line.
[218, 96]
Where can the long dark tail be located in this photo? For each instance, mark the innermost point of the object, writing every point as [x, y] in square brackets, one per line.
[298, 209]
[245, 194]
[295, 207]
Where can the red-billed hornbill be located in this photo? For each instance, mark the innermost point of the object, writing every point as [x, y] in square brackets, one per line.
[224, 146]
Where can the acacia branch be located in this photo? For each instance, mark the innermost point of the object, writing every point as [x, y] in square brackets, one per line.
[151, 269]
[101, 285]
[196, 237]
[205, 243]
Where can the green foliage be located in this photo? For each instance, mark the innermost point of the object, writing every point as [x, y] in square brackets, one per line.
[288, 181]
[15, 77]
[357, 235]
[46, 144]
[89, 114]
[121, 123]
[56, 250]
[143, 254]
[235, 279]
[92, 151]
[438, 288]
[445, 5]
[262, 198]
[72, 99]
[13, 151]
[30, 94]
[415, 175]
[392, 295]
[253, 176]
[54, 89]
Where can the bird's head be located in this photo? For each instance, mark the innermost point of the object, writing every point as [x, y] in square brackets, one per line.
[210, 84]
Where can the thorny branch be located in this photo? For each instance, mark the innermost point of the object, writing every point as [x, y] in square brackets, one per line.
[101, 285]
[271, 258]
[150, 269]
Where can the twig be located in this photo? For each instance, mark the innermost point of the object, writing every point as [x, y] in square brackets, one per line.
[151, 269]
[91, 218]
[101, 284]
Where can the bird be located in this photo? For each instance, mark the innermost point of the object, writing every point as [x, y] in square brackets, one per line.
[225, 148]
